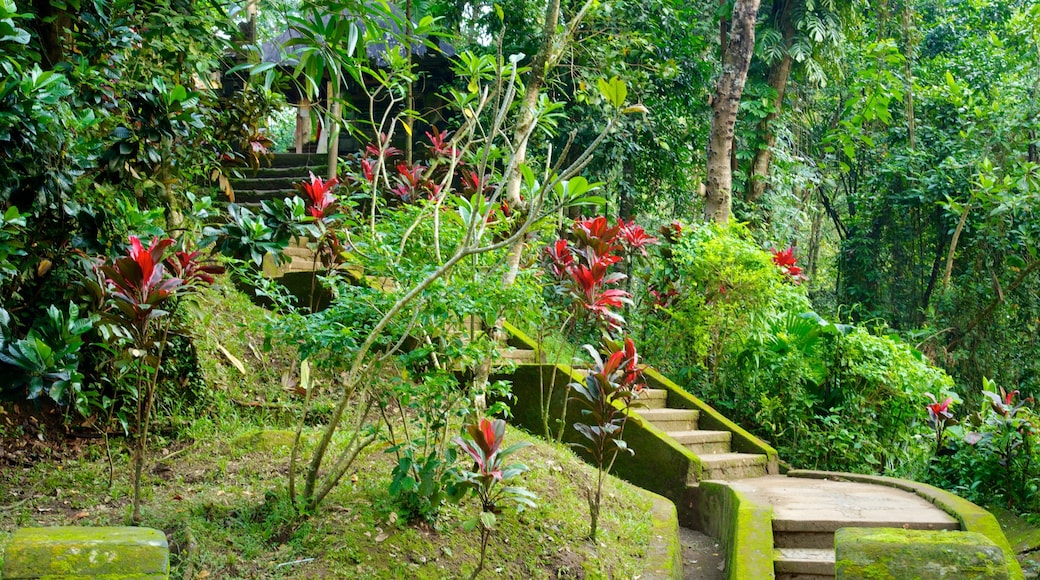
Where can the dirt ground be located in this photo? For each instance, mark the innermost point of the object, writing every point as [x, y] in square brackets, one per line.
[702, 556]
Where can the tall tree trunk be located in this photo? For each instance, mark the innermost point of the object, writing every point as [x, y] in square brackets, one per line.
[523, 128]
[735, 63]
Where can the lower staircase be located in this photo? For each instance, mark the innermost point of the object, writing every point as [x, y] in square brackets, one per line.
[807, 512]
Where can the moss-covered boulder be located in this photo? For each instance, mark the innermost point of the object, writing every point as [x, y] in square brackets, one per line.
[271, 440]
[79, 553]
[898, 554]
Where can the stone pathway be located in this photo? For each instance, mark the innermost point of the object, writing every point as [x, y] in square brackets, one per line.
[806, 512]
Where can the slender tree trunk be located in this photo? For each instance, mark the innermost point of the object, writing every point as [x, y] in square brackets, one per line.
[778, 76]
[908, 35]
[335, 112]
[409, 102]
[779, 73]
[735, 63]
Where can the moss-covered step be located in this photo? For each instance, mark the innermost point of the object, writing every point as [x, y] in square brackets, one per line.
[81, 553]
[898, 554]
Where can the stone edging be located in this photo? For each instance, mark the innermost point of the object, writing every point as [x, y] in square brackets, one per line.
[972, 518]
[665, 550]
[743, 528]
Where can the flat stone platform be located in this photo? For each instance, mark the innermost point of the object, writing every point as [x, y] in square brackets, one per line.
[824, 506]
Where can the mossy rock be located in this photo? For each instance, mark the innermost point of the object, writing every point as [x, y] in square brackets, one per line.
[79, 553]
[898, 554]
[272, 440]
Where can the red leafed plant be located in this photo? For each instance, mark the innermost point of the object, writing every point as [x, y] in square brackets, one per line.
[635, 237]
[440, 145]
[785, 260]
[190, 269]
[135, 286]
[940, 418]
[608, 391]
[318, 192]
[489, 476]
[586, 267]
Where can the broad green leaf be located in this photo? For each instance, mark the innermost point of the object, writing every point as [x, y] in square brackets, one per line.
[613, 90]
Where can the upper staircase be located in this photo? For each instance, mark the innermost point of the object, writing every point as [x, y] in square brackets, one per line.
[276, 181]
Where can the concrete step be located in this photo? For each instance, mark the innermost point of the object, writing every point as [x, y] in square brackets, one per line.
[653, 398]
[803, 563]
[244, 196]
[298, 252]
[285, 183]
[299, 160]
[299, 171]
[519, 356]
[704, 442]
[730, 466]
[828, 523]
[670, 419]
[805, 540]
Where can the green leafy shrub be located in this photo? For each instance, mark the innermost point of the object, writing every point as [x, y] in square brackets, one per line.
[742, 335]
[47, 360]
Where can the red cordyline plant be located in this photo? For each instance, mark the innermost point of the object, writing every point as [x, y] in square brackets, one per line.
[940, 418]
[587, 271]
[608, 391]
[586, 267]
[318, 196]
[786, 261]
[136, 286]
[489, 476]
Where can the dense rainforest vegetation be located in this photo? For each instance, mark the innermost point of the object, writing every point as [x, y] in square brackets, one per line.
[819, 216]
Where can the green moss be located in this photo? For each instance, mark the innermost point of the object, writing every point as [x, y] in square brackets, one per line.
[110, 553]
[270, 440]
[743, 528]
[894, 553]
[665, 550]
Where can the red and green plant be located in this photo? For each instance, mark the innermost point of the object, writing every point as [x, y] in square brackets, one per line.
[609, 390]
[138, 290]
[587, 270]
[489, 478]
[787, 262]
[940, 418]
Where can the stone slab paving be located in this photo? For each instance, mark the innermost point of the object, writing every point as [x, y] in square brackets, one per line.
[824, 505]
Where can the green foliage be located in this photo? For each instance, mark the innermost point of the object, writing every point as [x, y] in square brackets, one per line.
[829, 396]
[993, 454]
[47, 360]
[727, 286]
[11, 225]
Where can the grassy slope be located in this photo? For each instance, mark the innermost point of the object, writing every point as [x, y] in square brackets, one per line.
[223, 507]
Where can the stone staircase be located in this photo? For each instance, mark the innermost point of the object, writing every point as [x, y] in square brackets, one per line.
[712, 447]
[807, 512]
[276, 180]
